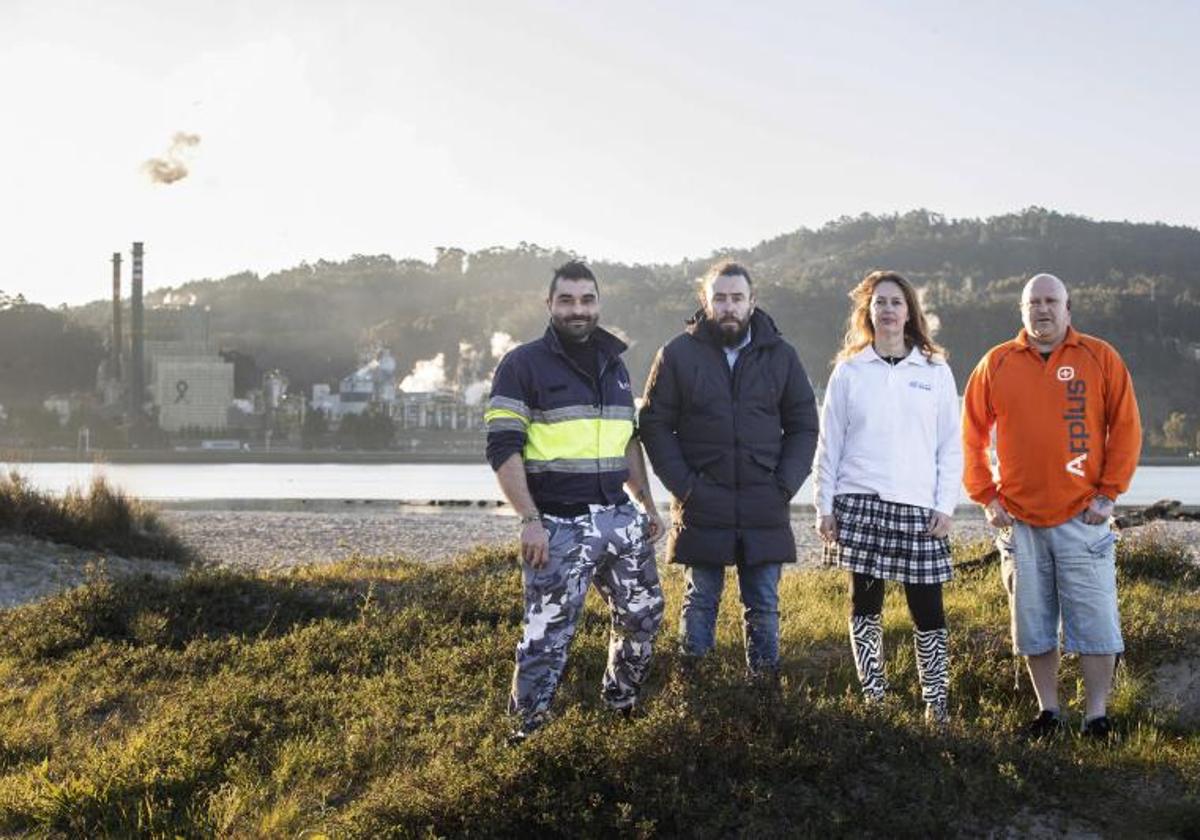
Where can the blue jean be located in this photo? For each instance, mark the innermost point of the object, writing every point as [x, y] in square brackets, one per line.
[759, 587]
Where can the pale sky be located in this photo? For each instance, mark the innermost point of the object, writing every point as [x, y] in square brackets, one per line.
[614, 129]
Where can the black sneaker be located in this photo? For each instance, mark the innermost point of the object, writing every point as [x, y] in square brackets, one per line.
[629, 713]
[766, 680]
[1046, 725]
[1099, 728]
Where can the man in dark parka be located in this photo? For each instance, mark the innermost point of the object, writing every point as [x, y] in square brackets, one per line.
[729, 423]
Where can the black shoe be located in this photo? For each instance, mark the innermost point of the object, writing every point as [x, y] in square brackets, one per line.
[692, 668]
[1046, 725]
[520, 734]
[1099, 728]
[766, 679]
[630, 713]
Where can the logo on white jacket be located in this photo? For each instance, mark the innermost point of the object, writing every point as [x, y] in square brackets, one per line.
[1076, 418]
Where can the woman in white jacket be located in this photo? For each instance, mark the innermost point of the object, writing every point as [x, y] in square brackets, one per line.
[888, 472]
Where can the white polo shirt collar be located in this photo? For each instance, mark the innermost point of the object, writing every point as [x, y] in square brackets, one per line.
[868, 354]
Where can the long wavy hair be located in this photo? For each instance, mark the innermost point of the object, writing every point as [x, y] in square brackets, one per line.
[860, 331]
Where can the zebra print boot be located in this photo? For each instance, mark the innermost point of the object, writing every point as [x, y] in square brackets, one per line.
[933, 669]
[866, 643]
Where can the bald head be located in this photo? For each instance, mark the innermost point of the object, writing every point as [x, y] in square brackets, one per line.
[1045, 310]
[1041, 284]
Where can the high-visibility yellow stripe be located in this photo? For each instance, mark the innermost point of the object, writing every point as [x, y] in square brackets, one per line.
[503, 413]
[577, 439]
[614, 437]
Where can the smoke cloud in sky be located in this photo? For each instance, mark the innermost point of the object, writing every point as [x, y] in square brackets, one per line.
[474, 393]
[172, 167]
[427, 375]
[502, 342]
[471, 376]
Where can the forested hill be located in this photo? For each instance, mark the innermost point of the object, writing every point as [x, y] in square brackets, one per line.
[1136, 285]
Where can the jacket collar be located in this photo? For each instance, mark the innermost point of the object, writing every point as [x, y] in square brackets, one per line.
[608, 343]
[868, 355]
[762, 329]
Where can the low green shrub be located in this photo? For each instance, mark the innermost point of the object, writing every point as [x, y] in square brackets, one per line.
[366, 699]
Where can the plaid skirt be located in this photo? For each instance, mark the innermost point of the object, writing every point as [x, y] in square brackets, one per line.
[887, 540]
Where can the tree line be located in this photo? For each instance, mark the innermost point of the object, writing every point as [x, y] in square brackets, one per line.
[1135, 285]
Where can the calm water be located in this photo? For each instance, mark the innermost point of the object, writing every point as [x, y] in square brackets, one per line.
[410, 481]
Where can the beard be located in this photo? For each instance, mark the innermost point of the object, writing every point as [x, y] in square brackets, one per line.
[575, 330]
[730, 331]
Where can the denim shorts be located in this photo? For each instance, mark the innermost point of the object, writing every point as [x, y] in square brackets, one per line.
[1064, 576]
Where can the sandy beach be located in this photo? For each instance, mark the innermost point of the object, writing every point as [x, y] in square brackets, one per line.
[279, 539]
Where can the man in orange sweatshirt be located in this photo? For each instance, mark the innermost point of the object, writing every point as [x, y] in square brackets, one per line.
[1067, 442]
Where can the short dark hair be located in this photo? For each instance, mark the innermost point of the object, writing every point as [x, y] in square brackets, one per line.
[572, 270]
[725, 268]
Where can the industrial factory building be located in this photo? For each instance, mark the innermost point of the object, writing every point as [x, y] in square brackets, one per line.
[165, 374]
[168, 369]
[443, 410]
[191, 386]
[192, 393]
[374, 384]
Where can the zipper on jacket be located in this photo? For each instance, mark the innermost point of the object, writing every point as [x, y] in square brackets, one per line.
[737, 447]
[601, 369]
[597, 399]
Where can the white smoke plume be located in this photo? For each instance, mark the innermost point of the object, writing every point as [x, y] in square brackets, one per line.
[502, 342]
[470, 363]
[179, 299]
[427, 375]
[474, 376]
[474, 393]
[171, 167]
[931, 318]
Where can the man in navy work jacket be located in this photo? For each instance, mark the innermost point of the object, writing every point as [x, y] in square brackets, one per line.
[729, 422]
[560, 436]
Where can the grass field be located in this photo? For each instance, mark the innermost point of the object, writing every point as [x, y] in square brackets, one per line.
[366, 699]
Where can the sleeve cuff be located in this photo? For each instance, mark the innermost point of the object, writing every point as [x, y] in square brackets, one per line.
[502, 445]
[985, 496]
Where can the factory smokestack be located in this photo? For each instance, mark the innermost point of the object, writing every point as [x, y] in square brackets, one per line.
[114, 356]
[137, 372]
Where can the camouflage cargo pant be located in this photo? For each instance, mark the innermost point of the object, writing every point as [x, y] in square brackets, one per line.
[610, 548]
